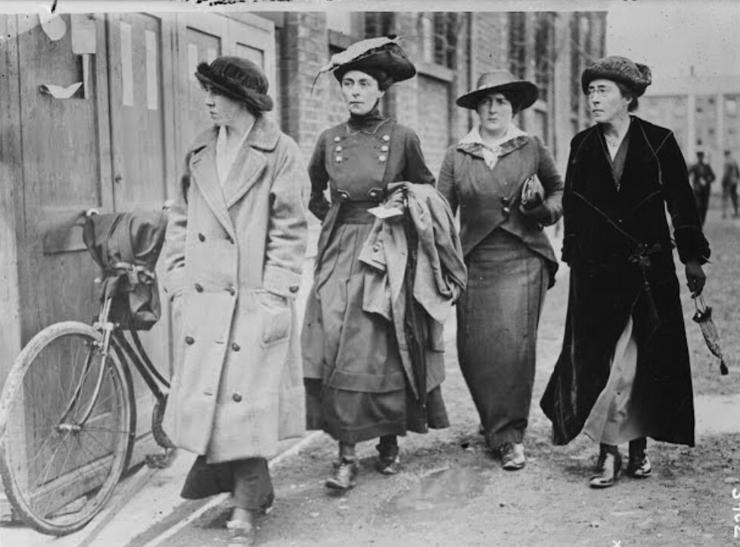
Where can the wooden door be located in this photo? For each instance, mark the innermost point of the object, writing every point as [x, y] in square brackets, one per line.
[142, 146]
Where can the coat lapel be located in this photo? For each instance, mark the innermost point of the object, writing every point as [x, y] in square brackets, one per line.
[203, 168]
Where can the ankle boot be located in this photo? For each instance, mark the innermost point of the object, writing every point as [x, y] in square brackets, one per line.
[344, 475]
[610, 462]
[638, 466]
[389, 462]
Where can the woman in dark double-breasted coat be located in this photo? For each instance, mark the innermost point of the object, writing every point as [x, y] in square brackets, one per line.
[356, 386]
[623, 373]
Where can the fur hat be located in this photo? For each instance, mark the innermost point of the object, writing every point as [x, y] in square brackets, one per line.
[382, 58]
[239, 79]
[618, 69]
[523, 92]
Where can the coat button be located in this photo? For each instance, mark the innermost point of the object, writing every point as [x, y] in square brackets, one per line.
[338, 148]
[376, 248]
[337, 139]
[384, 148]
[386, 138]
[232, 291]
[189, 340]
[199, 287]
[293, 288]
[201, 237]
[338, 159]
[237, 397]
[235, 346]
[381, 158]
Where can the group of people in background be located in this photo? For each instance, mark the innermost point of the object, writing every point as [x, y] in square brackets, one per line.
[367, 362]
[702, 176]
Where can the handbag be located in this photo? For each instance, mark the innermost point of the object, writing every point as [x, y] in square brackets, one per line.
[533, 193]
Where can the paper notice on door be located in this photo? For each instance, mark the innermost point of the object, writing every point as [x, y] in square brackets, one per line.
[127, 67]
[58, 91]
[53, 25]
[152, 87]
[192, 62]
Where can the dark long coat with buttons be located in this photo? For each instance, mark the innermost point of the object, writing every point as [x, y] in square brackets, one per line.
[234, 255]
[606, 228]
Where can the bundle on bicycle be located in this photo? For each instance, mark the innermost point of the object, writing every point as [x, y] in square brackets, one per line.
[67, 411]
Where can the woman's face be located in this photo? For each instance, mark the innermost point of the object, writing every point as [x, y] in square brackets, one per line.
[606, 101]
[223, 110]
[494, 113]
[360, 92]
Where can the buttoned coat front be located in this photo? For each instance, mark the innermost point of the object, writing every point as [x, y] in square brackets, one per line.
[234, 254]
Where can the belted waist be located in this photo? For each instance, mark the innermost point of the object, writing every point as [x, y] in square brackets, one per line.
[355, 212]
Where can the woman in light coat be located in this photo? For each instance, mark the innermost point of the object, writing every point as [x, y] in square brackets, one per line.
[235, 245]
[510, 261]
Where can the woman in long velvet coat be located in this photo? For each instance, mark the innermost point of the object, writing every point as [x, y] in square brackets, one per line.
[624, 374]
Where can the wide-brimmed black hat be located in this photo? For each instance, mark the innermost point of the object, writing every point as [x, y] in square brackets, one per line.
[237, 78]
[618, 69]
[523, 93]
[382, 58]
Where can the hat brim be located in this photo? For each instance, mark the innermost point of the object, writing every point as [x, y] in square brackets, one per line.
[395, 65]
[526, 93]
[591, 74]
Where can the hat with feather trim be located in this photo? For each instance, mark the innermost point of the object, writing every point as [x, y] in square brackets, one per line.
[382, 58]
[237, 78]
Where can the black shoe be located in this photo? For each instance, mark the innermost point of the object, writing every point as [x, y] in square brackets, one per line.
[389, 462]
[344, 475]
[639, 467]
[610, 464]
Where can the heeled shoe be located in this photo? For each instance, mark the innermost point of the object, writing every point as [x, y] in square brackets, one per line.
[611, 463]
[344, 475]
[242, 532]
[388, 462]
[512, 456]
[639, 467]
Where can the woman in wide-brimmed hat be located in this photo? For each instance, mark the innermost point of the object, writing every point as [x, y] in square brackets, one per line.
[356, 382]
[507, 188]
[235, 244]
[623, 373]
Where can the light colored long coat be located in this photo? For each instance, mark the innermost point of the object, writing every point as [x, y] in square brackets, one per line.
[234, 255]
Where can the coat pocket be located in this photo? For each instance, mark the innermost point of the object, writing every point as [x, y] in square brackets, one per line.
[276, 318]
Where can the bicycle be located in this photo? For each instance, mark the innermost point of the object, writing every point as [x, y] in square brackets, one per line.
[67, 411]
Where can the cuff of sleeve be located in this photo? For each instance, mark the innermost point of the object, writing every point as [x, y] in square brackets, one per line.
[541, 214]
[281, 281]
[174, 282]
[568, 249]
[691, 244]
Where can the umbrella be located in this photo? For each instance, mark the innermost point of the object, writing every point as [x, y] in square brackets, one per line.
[703, 317]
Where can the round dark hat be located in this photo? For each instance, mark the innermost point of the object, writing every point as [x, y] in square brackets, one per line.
[383, 58]
[635, 76]
[237, 78]
[502, 81]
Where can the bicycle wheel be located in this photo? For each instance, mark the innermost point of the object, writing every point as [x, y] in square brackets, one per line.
[58, 467]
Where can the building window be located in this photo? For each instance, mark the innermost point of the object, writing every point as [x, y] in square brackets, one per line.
[378, 23]
[544, 46]
[445, 38]
[518, 44]
[731, 106]
[426, 29]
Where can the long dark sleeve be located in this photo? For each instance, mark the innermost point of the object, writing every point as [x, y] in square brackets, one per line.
[415, 169]
[446, 180]
[690, 241]
[318, 204]
[551, 209]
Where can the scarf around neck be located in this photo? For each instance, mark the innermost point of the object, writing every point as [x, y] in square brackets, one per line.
[489, 151]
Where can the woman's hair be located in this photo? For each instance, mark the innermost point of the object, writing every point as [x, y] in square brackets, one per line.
[251, 107]
[627, 93]
[510, 96]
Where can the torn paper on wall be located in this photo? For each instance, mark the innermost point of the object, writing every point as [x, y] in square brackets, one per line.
[58, 91]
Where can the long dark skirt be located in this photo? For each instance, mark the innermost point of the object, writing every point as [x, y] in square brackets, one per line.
[363, 393]
[497, 320]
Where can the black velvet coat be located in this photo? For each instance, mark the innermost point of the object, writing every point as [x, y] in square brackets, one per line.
[619, 248]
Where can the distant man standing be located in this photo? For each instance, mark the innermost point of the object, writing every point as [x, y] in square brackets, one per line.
[730, 178]
[701, 176]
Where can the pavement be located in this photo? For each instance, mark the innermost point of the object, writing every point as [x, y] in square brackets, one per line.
[155, 513]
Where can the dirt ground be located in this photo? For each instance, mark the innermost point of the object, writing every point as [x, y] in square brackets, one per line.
[451, 491]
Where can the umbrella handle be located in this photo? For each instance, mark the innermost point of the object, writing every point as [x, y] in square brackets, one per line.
[699, 304]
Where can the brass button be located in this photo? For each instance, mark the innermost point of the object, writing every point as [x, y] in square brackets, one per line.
[201, 237]
[338, 159]
[338, 148]
[237, 397]
[381, 157]
[293, 288]
[199, 287]
[189, 340]
[235, 346]
[337, 139]
[384, 148]
[376, 248]
[386, 138]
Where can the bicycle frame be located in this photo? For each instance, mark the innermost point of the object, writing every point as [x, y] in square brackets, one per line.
[126, 352]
